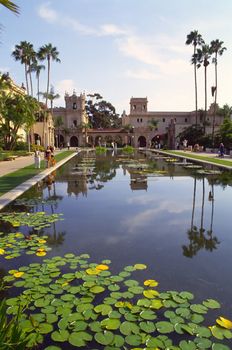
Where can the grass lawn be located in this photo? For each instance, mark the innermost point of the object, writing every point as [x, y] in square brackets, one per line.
[6, 154]
[11, 180]
[217, 161]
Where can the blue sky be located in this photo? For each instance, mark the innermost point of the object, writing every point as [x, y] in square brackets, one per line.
[123, 48]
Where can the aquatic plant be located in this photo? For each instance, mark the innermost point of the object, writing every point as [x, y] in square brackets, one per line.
[128, 149]
[80, 302]
[100, 150]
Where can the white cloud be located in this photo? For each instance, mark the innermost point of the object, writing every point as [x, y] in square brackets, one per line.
[112, 29]
[47, 13]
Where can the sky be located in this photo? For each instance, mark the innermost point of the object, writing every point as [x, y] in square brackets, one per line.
[123, 48]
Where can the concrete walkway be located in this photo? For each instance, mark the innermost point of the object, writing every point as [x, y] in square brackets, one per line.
[10, 166]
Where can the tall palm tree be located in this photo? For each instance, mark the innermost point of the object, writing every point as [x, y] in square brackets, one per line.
[24, 52]
[10, 6]
[217, 49]
[203, 57]
[49, 53]
[195, 39]
[37, 68]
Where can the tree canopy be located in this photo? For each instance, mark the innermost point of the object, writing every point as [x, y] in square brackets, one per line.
[101, 113]
[16, 111]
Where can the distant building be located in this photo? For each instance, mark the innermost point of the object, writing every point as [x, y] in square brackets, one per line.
[74, 117]
[169, 124]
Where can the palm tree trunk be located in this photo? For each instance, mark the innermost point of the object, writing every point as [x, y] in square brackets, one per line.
[48, 82]
[203, 204]
[30, 80]
[212, 211]
[27, 86]
[195, 80]
[215, 100]
[38, 88]
[205, 98]
[194, 202]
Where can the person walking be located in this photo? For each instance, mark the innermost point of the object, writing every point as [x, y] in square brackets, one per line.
[221, 150]
[37, 159]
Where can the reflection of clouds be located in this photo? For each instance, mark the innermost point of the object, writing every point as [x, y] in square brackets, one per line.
[145, 218]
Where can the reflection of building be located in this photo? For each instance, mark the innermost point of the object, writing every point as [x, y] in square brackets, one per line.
[138, 182]
[141, 121]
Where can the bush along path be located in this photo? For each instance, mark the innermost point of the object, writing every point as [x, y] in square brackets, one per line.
[73, 301]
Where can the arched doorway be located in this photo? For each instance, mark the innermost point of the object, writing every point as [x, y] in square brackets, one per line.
[37, 139]
[73, 141]
[142, 141]
[59, 141]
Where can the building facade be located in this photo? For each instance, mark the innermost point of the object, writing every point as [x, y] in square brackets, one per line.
[168, 124]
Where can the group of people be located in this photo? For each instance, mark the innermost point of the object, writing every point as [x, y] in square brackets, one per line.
[48, 157]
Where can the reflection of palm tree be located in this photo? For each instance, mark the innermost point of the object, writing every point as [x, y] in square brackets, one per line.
[197, 238]
[194, 201]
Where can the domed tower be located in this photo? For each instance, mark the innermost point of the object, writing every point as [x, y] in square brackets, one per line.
[138, 105]
[75, 109]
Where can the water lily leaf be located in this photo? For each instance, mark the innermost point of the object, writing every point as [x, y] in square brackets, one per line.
[217, 332]
[211, 304]
[223, 322]
[51, 318]
[140, 266]
[187, 345]
[164, 327]
[150, 293]
[103, 309]
[203, 343]
[45, 328]
[156, 304]
[97, 289]
[131, 283]
[111, 323]
[147, 327]
[216, 346]
[113, 287]
[79, 338]
[102, 267]
[52, 347]
[150, 283]
[60, 336]
[104, 338]
[198, 308]
[114, 314]
[80, 326]
[144, 302]
[133, 339]
[118, 341]
[136, 289]
[148, 315]
[128, 328]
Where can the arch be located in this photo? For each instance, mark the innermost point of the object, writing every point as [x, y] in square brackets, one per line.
[59, 140]
[98, 141]
[37, 139]
[118, 140]
[142, 142]
[74, 141]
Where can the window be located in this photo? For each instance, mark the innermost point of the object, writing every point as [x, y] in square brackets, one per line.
[74, 105]
[186, 119]
[141, 120]
[137, 120]
[134, 107]
[144, 107]
[175, 120]
[163, 120]
[75, 123]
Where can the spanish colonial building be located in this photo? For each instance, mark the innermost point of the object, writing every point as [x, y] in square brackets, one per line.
[168, 124]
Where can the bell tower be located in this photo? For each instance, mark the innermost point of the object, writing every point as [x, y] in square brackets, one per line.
[138, 105]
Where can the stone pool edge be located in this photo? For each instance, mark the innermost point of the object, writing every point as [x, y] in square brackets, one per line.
[10, 196]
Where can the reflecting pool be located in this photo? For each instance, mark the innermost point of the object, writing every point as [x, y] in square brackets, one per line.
[172, 216]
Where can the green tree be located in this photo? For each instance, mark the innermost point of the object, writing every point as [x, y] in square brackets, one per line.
[59, 123]
[195, 39]
[226, 132]
[24, 52]
[101, 113]
[84, 127]
[10, 5]
[16, 112]
[217, 49]
[203, 57]
[225, 111]
[48, 53]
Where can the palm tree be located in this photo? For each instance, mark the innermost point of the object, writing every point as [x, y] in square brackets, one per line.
[48, 52]
[217, 49]
[195, 39]
[203, 57]
[58, 125]
[51, 96]
[24, 52]
[37, 68]
[85, 126]
[10, 6]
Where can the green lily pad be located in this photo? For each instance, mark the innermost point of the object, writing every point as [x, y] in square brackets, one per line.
[104, 338]
[164, 327]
